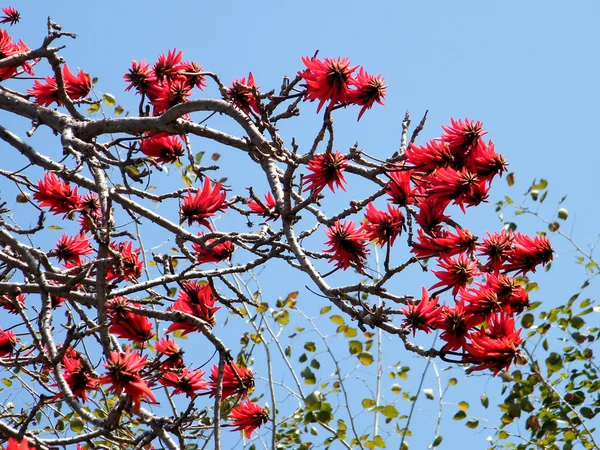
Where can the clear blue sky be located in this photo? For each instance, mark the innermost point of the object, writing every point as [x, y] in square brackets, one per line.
[528, 70]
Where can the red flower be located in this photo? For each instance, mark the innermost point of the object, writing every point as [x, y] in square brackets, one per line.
[431, 214]
[449, 185]
[485, 162]
[496, 247]
[9, 302]
[140, 76]
[480, 302]
[347, 245]
[202, 205]
[186, 381]
[241, 94]
[128, 264]
[527, 253]
[369, 89]
[45, 92]
[197, 300]
[124, 376]
[79, 376]
[268, 209]
[166, 148]
[327, 80]
[458, 271]
[8, 342]
[174, 354]
[57, 195]
[423, 315]
[327, 169]
[463, 136]
[236, 381]
[76, 86]
[128, 325]
[10, 48]
[13, 444]
[432, 156]
[11, 15]
[90, 213]
[456, 323]
[191, 71]
[381, 226]
[166, 67]
[71, 249]
[496, 347]
[168, 94]
[399, 189]
[248, 416]
[213, 252]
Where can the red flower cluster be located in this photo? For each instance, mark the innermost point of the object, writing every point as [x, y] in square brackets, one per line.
[168, 83]
[165, 148]
[124, 376]
[327, 170]
[236, 381]
[173, 353]
[332, 80]
[8, 342]
[78, 374]
[347, 245]
[57, 195]
[13, 444]
[203, 204]
[128, 325]
[198, 300]
[268, 209]
[11, 16]
[127, 265]
[9, 48]
[10, 302]
[248, 416]
[213, 251]
[185, 381]
[241, 94]
[46, 92]
[71, 249]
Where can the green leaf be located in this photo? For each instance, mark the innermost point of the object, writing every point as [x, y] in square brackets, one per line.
[313, 400]
[527, 320]
[355, 347]
[563, 214]
[94, 107]
[109, 99]
[119, 110]
[6, 382]
[472, 424]
[452, 382]
[309, 376]
[365, 358]
[379, 442]
[350, 332]
[76, 424]
[485, 401]
[543, 184]
[282, 317]
[338, 320]
[396, 389]
[463, 406]
[368, 402]
[460, 415]
[436, 442]
[390, 411]
[325, 310]
[510, 226]
[310, 347]
[553, 226]
[428, 393]
[54, 227]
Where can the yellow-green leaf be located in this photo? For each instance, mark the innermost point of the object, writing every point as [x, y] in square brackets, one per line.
[365, 358]
[109, 99]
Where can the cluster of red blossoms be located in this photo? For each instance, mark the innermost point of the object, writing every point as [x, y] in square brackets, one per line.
[458, 169]
[332, 80]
